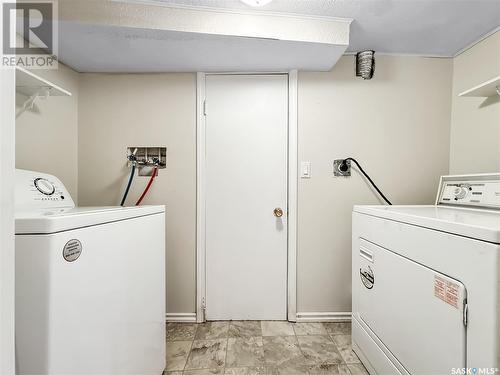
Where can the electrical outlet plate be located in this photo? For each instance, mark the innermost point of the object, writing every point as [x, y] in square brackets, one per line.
[336, 168]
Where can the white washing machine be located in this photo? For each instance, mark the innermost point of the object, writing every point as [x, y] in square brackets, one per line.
[90, 284]
[426, 282]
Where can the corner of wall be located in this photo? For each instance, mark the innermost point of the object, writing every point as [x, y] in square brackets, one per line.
[52, 130]
[473, 151]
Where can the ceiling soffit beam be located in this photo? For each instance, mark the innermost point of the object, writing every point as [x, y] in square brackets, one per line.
[325, 30]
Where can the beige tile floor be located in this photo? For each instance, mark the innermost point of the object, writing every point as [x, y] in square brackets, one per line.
[261, 348]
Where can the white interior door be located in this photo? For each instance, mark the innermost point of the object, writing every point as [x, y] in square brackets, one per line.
[246, 180]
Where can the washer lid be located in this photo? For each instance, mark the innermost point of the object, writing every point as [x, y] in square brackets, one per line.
[48, 221]
[480, 224]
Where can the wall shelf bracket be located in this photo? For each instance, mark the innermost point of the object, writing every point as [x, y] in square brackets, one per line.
[29, 103]
[33, 87]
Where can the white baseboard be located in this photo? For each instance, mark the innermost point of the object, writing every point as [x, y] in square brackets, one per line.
[324, 317]
[181, 317]
[301, 317]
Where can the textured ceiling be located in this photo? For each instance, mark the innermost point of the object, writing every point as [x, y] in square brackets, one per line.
[420, 27]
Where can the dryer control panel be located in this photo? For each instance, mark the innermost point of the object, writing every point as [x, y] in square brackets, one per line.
[40, 190]
[481, 191]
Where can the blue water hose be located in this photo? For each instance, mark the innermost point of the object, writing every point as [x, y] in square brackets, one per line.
[128, 185]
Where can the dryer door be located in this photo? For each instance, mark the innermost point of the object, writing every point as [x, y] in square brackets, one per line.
[415, 311]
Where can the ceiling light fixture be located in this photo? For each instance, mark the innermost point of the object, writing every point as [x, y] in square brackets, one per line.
[256, 3]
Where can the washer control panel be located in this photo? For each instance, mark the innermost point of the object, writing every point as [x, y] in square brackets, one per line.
[482, 191]
[40, 190]
[44, 186]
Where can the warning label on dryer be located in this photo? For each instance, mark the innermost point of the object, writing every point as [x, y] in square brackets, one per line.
[447, 291]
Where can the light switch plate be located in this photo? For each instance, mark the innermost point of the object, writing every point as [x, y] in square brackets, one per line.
[305, 169]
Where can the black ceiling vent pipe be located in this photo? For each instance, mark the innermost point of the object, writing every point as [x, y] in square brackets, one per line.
[365, 64]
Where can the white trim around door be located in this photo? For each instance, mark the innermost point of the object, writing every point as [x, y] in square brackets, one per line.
[201, 196]
[293, 165]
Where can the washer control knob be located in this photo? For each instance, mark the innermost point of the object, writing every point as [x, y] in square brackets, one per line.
[44, 186]
[461, 192]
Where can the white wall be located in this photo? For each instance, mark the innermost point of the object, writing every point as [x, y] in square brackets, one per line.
[397, 126]
[47, 137]
[475, 125]
[7, 123]
[7, 266]
[83, 139]
[118, 111]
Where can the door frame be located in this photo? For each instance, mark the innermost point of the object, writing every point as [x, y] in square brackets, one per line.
[292, 172]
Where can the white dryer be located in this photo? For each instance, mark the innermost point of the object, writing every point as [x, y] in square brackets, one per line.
[90, 284]
[426, 282]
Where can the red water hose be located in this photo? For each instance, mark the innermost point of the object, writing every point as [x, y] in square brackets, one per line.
[155, 171]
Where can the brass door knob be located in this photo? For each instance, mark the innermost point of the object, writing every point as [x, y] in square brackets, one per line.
[278, 212]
